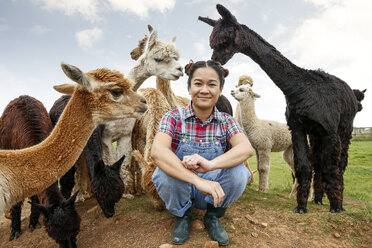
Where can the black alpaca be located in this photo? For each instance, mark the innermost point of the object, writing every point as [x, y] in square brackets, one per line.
[319, 105]
[25, 122]
[106, 184]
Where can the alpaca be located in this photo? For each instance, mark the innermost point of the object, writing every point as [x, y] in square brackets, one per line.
[100, 96]
[265, 136]
[24, 123]
[145, 129]
[319, 105]
[160, 59]
[105, 182]
[61, 220]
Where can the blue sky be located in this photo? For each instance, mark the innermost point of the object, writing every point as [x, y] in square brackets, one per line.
[37, 35]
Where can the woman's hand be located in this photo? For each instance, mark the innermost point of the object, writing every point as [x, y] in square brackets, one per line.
[211, 188]
[197, 163]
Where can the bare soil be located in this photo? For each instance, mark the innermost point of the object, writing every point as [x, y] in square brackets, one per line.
[137, 224]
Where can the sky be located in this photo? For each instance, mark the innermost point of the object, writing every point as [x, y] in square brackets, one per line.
[37, 35]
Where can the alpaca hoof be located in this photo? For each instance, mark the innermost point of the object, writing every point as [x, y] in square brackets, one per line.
[337, 210]
[14, 234]
[317, 202]
[32, 227]
[300, 210]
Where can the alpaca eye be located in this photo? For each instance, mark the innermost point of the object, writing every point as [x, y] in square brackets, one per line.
[116, 93]
[158, 60]
[241, 90]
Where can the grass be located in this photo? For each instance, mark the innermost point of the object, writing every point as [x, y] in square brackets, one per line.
[357, 181]
[318, 223]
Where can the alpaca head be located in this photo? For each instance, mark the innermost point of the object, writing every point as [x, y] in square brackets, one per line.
[225, 38]
[244, 91]
[107, 93]
[62, 222]
[107, 186]
[245, 79]
[160, 58]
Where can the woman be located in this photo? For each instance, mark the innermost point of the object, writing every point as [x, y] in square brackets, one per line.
[193, 170]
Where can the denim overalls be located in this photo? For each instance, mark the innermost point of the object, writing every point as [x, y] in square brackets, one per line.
[179, 196]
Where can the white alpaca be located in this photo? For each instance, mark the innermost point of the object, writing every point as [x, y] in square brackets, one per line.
[265, 136]
[159, 59]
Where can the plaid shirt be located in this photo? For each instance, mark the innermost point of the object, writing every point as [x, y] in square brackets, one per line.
[196, 130]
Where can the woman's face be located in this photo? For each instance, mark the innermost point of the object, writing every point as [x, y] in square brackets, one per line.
[205, 88]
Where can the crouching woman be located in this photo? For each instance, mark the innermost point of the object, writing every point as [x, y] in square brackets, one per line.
[193, 170]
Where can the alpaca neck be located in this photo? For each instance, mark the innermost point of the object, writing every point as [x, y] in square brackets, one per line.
[41, 165]
[138, 75]
[277, 67]
[247, 113]
[164, 87]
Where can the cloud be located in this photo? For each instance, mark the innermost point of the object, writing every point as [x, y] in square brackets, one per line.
[3, 27]
[337, 40]
[339, 34]
[87, 37]
[39, 29]
[87, 8]
[201, 48]
[142, 7]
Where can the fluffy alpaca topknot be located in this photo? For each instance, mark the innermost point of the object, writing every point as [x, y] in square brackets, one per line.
[245, 79]
[107, 75]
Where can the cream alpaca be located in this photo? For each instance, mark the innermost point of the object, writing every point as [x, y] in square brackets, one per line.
[100, 96]
[265, 136]
[159, 58]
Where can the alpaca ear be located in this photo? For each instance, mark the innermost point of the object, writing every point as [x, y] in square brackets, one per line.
[225, 13]
[76, 75]
[149, 27]
[174, 39]
[117, 165]
[67, 89]
[45, 210]
[152, 40]
[255, 95]
[364, 91]
[207, 21]
[72, 199]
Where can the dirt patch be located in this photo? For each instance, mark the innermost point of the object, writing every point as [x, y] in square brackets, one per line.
[137, 224]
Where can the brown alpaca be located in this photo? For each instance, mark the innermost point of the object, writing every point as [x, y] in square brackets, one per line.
[100, 96]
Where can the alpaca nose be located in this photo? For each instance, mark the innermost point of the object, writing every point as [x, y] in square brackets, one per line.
[143, 100]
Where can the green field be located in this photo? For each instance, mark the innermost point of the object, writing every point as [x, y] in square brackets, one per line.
[357, 180]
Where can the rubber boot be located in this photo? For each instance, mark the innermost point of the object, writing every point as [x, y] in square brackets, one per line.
[181, 229]
[211, 222]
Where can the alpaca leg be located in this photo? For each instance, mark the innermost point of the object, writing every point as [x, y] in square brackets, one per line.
[67, 182]
[263, 170]
[302, 166]
[34, 217]
[82, 180]
[331, 173]
[124, 147]
[16, 221]
[251, 180]
[316, 162]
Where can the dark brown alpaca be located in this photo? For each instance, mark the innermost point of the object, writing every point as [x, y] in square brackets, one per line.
[25, 123]
[318, 104]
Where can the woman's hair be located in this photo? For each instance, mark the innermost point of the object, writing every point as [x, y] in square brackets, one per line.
[191, 67]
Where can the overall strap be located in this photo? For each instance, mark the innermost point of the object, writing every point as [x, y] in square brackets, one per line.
[183, 123]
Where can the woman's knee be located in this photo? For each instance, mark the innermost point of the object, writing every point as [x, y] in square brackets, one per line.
[240, 175]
